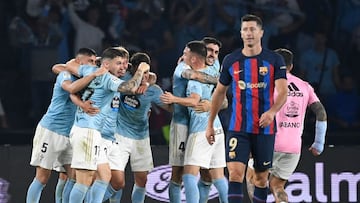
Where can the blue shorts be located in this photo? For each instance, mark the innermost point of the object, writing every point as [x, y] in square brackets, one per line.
[239, 145]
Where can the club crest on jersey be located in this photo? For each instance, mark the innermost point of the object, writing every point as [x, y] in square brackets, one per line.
[263, 70]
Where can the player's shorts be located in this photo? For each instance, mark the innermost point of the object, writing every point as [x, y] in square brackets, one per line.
[200, 153]
[177, 143]
[50, 150]
[110, 154]
[139, 152]
[239, 145]
[86, 145]
[284, 164]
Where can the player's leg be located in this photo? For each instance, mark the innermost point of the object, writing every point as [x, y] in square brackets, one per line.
[177, 143]
[204, 185]
[37, 185]
[263, 159]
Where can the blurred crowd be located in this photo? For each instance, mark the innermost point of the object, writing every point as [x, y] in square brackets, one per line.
[324, 36]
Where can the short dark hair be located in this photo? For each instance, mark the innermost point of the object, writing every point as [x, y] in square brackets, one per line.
[197, 47]
[86, 51]
[113, 52]
[287, 55]
[251, 17]
[211, 40]
[136, 59]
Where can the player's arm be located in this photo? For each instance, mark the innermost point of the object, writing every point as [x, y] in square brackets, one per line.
[86, 106]
[190, 101]
[57, 68]
[76, 86]
[151, 81]
[199, 76]
[320, 128]
[218, 98]
[72, 66]
[205, 105]
[133, 84]
[268, 116]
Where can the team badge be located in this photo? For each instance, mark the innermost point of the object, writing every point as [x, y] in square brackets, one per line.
[263, 70]
[232, 155]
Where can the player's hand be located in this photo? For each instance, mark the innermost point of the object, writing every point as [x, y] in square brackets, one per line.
[167, 98]
[210, 135]
[203, 106]
[142, 89]
[314, 151]
[101, 71]
[266, 119]
[89, 108]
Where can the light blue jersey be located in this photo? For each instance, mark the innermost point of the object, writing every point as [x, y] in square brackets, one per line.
[133, 118]
[198, 121]
[180, 114]
[111, 113]
[101, 91]
[61, 112]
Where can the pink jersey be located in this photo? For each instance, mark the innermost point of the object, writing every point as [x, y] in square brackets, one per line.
[290, 118]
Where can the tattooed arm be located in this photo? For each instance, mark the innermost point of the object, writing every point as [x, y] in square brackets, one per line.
[320, 128]
[199, 76]
[319, 111]
[131, 85]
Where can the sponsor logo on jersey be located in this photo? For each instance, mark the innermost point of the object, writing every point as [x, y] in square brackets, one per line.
[242, 85]
[130, 102]
[294, 91]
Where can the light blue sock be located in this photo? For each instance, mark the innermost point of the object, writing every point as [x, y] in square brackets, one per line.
[87, 198]
[138, 194]
[174, 192]
[67, 189]
[97, 191]
[59, 190]
[204, 189]
[78, 193]
[110, 191]
[191, 188]
[34, 191]
[222, 187]
[116, 198]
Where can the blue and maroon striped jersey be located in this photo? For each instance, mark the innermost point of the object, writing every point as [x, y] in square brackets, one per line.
[252, 82]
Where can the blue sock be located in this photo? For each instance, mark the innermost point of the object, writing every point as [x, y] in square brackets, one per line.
[174, 192]
[260, 195]
[191, 189]
[222, 187]
[78, 193]
[67, 189]
[97, 191]
[59, 190]
[87, 198]
[138, 194]
[235, 194]
[204, 189]
[34, 191]
[116, 198]
[109, 192]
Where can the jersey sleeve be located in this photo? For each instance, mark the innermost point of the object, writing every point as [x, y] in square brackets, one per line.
[280, 67]
[180, 68]
[193, 87]
[312, 95]
[112, 82]
[225, 76]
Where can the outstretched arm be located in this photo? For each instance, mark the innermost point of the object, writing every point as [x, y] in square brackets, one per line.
[199, 76]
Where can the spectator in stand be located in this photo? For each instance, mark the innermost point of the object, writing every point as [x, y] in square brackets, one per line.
[320, 66]
[344, 109]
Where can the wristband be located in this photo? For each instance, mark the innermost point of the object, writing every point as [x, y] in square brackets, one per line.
[320, 132]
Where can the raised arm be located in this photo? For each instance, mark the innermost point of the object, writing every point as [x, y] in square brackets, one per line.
[132, 85]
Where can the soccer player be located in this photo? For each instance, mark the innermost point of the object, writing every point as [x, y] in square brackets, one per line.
[85, 134]
[253, 73]
[179, 124]
[51, 145]
[290, 124]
